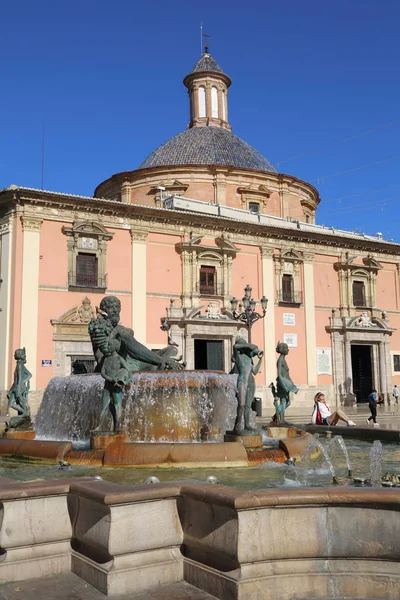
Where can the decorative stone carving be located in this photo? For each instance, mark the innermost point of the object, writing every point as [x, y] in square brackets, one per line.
[138, 235]
[364, 320]
[85, 313]
[5, 228]
[31, 223]
[212, 312]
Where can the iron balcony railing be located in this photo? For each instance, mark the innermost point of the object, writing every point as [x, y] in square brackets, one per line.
[362, 301]
[87, 281]
[289, 297]
[210, 290]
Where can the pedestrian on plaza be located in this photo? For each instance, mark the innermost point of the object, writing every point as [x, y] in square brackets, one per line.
[372, 403]
[396, 394]
[322, 414]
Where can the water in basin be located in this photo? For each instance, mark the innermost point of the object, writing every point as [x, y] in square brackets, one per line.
[268, 475]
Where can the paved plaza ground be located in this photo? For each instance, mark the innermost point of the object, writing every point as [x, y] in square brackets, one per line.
[388, 417]
[71, 587]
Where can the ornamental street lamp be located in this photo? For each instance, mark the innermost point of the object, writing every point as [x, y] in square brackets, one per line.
[248, 315]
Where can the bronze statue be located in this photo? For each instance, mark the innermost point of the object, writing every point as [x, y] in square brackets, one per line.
[117, 354]
[18, 393]
[243, 354]
[284, 385]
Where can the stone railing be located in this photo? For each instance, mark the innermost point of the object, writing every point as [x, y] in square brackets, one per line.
[261, 544]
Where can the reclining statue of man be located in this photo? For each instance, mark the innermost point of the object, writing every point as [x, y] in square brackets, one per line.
[117, 355]
[106, 326]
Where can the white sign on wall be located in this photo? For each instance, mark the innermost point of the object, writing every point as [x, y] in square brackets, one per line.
[324, 362]
[290, 339]
[289, 319]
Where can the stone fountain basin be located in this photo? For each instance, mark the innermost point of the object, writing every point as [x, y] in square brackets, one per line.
[168, 455]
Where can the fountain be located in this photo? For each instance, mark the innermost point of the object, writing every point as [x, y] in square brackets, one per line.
[142, 408]
[163, 406]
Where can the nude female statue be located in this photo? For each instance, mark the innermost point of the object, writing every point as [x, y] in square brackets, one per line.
[243, 354]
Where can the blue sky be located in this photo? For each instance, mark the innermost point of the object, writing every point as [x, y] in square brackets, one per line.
[105, 79]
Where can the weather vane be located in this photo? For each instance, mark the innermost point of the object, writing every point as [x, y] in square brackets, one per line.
[206, 36]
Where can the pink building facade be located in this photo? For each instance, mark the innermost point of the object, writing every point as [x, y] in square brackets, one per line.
[203, 216]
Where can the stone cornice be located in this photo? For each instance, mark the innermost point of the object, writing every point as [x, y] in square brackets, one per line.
[275, 180]
[120, 215]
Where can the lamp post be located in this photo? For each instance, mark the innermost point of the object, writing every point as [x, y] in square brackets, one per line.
[248, 315]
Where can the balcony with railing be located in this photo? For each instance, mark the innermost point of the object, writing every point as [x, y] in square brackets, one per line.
[91, 281]
[363, 301]
[214, 289]
[289, 297]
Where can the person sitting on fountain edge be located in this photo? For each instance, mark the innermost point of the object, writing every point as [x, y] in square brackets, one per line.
[322, 413]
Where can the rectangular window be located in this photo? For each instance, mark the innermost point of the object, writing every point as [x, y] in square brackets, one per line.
[254, 207]
[208, 281]
[82, 364]
[287, 288]
[396, 362]
[86, 270]
[358, 293]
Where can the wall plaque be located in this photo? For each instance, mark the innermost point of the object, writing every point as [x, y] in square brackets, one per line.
[290, 339]
[289, 319]
[324, 362]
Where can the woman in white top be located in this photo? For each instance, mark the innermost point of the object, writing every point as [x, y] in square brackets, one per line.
[328, 418]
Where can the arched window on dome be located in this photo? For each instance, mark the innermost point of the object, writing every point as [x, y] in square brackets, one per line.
[214, 102]
[223, 105]
[202, 101]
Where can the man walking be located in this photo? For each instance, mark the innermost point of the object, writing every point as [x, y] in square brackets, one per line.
[372, 402]
[396, 394]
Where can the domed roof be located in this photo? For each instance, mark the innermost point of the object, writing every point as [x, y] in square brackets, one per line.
[207, 146]
[206, 63]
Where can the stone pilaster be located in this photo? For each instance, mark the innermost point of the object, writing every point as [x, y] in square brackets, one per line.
[138, 248]
[30, 291]
[5, 300]
[309, 310]
[269, 319]
[382, 369]
[125, 192]
[208, 101]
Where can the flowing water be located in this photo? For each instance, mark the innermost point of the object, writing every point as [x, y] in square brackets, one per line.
[376, 463]
[184, 406]
[332, 446]
[268, 475]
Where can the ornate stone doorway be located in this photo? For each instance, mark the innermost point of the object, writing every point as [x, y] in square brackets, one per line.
[361, 363]
[368, 364]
